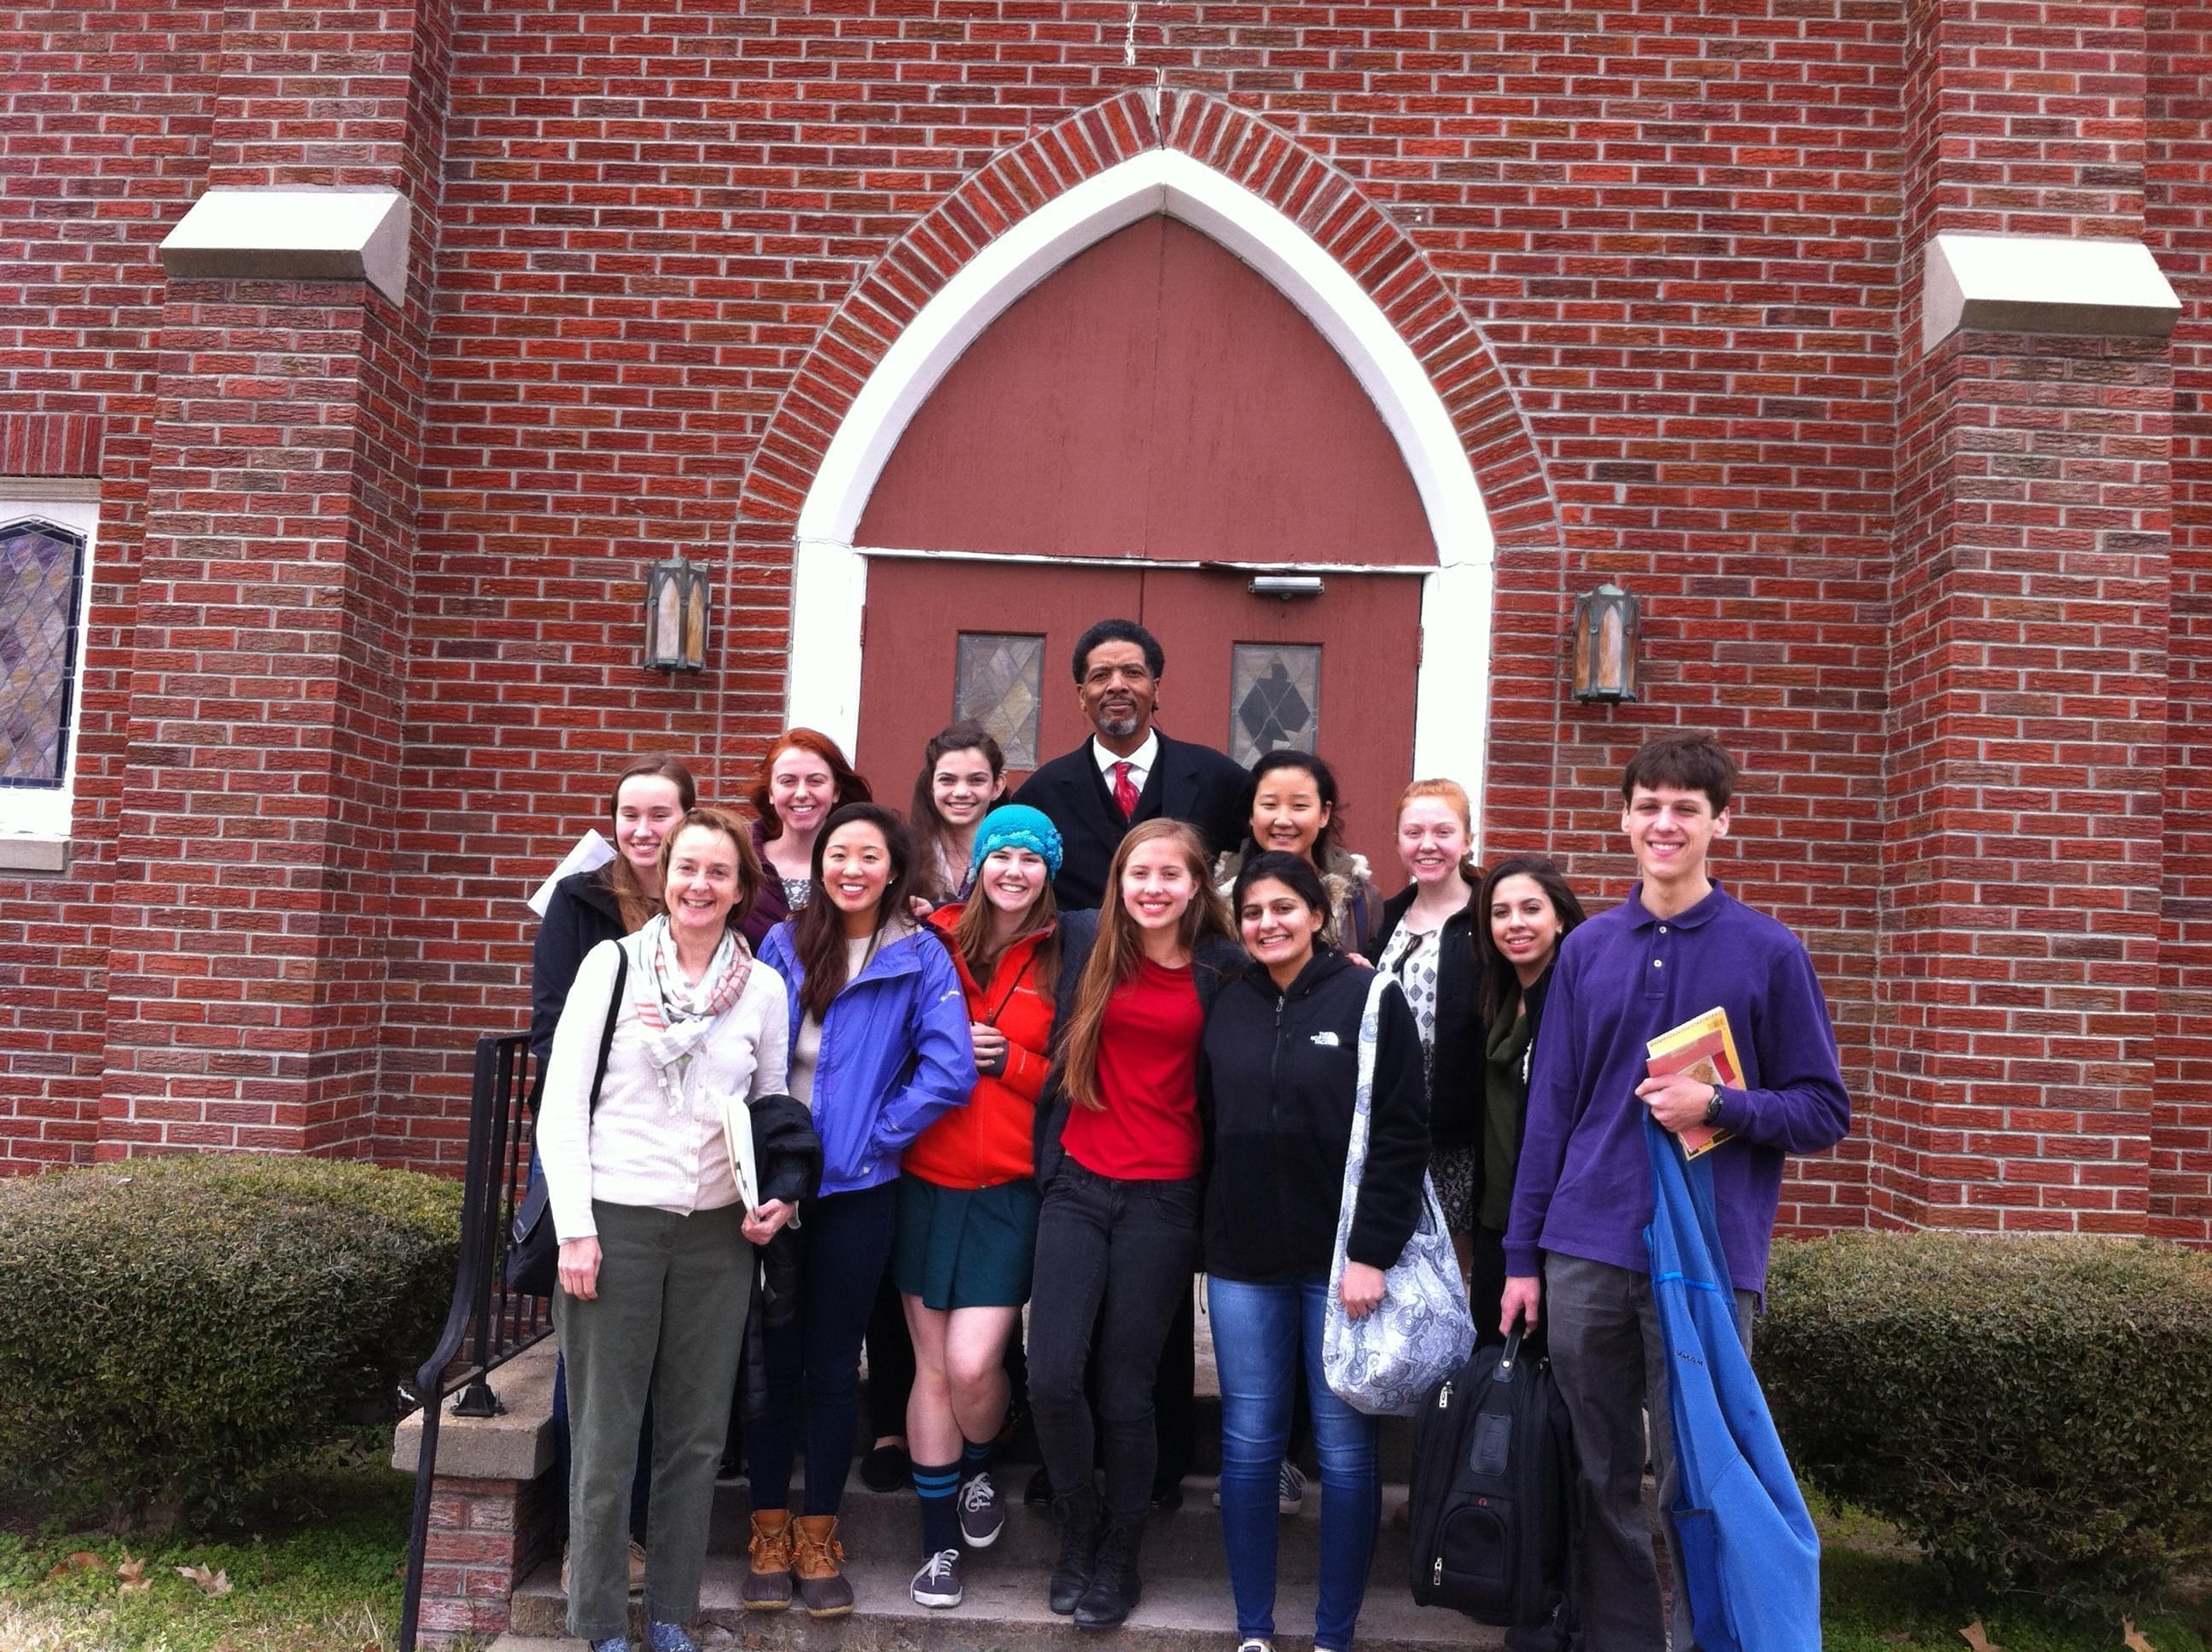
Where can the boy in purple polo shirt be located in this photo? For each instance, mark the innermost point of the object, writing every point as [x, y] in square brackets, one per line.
[1582, 1197]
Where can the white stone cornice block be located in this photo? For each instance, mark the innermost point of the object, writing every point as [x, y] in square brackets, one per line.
[294, 234]
[2043, 284]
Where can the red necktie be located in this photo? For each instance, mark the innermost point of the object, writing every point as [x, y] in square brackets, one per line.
[1125, 795]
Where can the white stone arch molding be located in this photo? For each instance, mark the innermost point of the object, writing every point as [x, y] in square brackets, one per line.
[829, 572]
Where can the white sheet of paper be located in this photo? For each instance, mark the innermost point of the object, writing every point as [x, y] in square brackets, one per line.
[592, 851]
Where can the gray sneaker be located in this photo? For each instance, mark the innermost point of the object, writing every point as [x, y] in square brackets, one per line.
[938, 1582]
[982, 1511]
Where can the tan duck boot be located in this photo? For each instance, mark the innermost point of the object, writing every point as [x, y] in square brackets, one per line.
[822, 1590]
[767, 1587]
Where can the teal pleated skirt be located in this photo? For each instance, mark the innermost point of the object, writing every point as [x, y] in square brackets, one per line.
[966, 1247]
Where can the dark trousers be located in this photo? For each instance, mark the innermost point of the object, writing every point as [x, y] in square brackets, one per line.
[1611, 1365]
[847, 1240]
[891, 1363]
[1116, 1259]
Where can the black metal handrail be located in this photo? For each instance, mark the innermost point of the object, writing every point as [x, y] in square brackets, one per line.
[504, 1321]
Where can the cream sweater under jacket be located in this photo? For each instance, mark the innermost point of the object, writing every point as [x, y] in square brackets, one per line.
[637, 1149]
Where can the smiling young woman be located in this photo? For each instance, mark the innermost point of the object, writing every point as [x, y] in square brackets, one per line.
[968, 1197]
[1119, 1151]
[1292, 808]
[963, 778]
[1428, 942]
[1278, 1087]
[880, 1048]
[804, 780]
[1527, 909]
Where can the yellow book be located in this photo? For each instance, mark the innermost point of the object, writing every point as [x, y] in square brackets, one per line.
[1703, 1048]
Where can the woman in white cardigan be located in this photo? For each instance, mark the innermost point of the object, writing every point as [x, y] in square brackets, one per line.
[655, 1266]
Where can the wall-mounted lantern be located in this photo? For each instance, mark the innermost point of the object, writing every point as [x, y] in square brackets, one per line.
[676, 616]
[1605, 623]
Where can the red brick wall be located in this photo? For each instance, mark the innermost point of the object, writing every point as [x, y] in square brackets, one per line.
[104, 148]
[1661, 258]
[2022, 859]
[2179, 226]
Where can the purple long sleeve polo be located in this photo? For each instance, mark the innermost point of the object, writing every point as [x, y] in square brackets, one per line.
[1583, 1187]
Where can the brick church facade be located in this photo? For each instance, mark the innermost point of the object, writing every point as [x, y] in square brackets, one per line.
[481, 308]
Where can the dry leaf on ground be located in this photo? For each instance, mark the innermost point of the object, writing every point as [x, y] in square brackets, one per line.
[2133, 1638]
[130, 1576]
[82, 1560]
[206, 1581]
[1978, 1637]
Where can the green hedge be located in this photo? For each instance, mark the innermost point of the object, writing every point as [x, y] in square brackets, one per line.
[2038, 1412]
[178, 1332]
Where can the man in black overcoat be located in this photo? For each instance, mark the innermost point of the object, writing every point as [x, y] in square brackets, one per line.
[1129, 770]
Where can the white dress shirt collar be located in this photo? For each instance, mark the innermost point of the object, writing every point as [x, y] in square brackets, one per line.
[1141, 760]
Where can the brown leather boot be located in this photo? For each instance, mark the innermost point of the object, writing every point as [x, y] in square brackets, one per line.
[822, 1590]
[767, 1587]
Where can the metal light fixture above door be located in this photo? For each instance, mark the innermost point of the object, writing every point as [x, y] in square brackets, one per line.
[1607, 624]
[676, 604]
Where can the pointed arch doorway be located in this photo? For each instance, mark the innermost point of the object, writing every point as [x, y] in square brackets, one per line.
[1147, 396]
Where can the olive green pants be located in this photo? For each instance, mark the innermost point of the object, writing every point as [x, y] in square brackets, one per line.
[669, 1321]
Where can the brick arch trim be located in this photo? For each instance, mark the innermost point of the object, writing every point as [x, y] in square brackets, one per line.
[1370, 247]
[1357, 277]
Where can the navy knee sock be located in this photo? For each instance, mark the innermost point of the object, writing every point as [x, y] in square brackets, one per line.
[976, 1459]
[935, 1484]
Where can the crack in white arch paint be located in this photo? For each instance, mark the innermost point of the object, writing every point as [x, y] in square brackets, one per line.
[829, 573]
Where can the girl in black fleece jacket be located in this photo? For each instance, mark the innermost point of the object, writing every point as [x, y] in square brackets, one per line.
[1277, 1084]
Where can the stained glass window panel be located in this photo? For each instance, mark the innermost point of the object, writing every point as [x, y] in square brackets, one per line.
[40, 566]
[998, 682]
[1275, 699]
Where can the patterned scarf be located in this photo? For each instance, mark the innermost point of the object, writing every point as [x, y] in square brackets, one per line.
[672, 1015]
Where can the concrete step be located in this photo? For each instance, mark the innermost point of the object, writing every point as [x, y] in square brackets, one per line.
[1186, 1588]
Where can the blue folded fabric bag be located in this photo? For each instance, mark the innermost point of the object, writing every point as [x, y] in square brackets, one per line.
[1751, 1559]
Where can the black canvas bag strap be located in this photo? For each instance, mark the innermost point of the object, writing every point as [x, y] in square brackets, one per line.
[607, 1032]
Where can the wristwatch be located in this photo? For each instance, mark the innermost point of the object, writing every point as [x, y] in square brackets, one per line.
[1713, 1107]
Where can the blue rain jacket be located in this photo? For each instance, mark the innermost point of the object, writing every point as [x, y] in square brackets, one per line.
[896, 1053]
[1750, 1556]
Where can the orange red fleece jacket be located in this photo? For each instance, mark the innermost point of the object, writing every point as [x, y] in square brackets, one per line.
[991, 1141]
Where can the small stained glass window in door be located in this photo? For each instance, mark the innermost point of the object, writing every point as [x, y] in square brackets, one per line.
[40, 568]
[998, 681]
[1275, 699]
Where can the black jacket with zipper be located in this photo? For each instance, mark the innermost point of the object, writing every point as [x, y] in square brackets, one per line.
[1279, 1075]
[1456, 1081]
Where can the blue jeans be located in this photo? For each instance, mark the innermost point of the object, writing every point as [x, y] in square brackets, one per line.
[1260, 1334]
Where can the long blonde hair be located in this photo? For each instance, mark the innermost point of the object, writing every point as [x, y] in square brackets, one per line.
[1120, 948]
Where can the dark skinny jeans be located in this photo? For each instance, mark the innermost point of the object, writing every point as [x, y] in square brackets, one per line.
[1127, 1248]
[848, 1240]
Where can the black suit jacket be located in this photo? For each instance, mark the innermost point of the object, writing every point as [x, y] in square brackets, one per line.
[1188, 782]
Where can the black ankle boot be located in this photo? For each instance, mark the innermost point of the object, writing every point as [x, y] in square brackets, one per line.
[1115, 1587]
[1078, 1514]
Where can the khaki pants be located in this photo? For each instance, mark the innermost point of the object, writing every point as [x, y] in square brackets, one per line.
[669, 1321]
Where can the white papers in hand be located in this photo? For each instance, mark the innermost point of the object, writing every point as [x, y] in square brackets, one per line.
[591, 852]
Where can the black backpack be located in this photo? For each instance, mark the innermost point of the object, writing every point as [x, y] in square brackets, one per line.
[1493, 1498]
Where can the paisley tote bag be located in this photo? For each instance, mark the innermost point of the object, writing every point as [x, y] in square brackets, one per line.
[1423, 1330]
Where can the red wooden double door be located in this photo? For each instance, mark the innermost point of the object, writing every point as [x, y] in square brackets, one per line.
[1152, 410]
[1245, 674]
